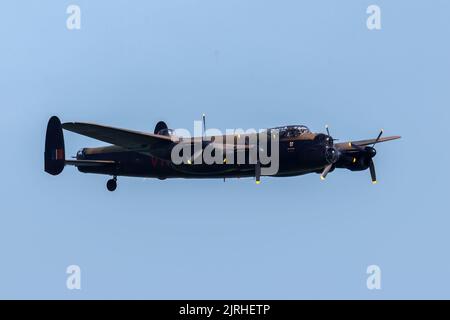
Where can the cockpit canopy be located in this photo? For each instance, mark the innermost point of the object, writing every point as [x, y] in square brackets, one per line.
[291, 131]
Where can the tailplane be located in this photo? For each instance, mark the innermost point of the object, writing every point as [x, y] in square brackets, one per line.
[54, 156]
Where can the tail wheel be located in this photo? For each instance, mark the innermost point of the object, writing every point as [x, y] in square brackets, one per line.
[111, 185]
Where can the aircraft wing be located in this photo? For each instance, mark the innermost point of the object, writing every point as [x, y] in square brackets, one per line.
[347, 145]
[89, 163]
[128, 139]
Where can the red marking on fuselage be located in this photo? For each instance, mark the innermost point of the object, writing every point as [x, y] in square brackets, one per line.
[158, 162]
[59, 154]
[154, 162]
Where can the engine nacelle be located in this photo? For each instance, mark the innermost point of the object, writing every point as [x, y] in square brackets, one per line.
[356, 162]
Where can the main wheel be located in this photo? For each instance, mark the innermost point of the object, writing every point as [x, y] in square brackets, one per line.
[111, 185]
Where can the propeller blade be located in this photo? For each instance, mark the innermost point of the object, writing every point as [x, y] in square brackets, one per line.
[204, 124]
[373, 175]
[325, 171]
[328, 131]
[258, 173]
[378, 138]
[195, 156]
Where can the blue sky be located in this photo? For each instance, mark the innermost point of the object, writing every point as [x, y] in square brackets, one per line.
[246, 64]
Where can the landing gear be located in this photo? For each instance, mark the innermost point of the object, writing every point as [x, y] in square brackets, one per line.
[111, 185]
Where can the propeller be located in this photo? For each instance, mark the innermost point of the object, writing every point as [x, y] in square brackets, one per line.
[329, 135]
[359, 148]
[204, 124]
[258, 173]
[367, 151]
[373, 175]
[378, 138]
[195, 156]
[325, 171]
